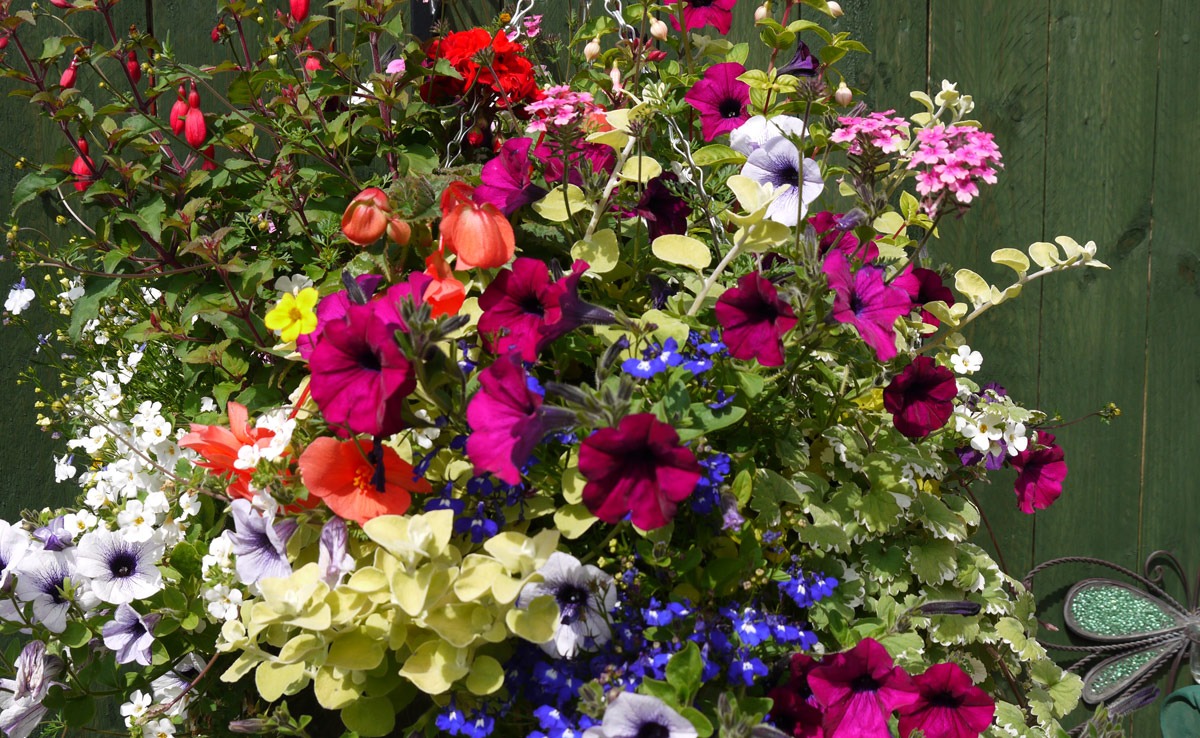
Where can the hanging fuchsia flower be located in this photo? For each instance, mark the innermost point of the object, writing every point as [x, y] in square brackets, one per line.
[1040, 474]
[506, 179]
[950, 706]
[507, 420]
[754, 320]
[921, 398]
[721, 99]
[524, 311]
[859, 690]
[701, 13]
[640, 468]
[359, 375]
[864, 300]
[795, 710]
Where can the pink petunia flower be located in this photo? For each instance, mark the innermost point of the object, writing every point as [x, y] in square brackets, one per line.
[859, 689]
[721, 99]
[639, 468]
[754, 320]
[701, 13]
[795, 710]
[1040, 474]
[864, 300]
[950, 706]
[921, 398]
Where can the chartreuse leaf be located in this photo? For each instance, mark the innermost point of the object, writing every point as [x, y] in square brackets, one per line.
[640, 169]
[535, 623]
[574, 520]
[683, 671]
[476, 577]
[1044, 254]
[435, 665]
[355, 651]
[274, 680]
[298, 648]
[601, 251]
[487, 675]
[334, 689]
[370, 717]
[974, 287]
[558, 207]
[683, 250]
[704, 727]
[573, 484]
[715, 154]
[889, 223]
[1011, 258]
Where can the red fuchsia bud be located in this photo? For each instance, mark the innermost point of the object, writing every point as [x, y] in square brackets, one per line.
[134, 66]
[216, 33]
[366, 217]
[299, 10]
[312, 62]
[179, 111]
[195, 130]
[67, 80]
[209, 162]
[83, 168]
[655, 55]
[475, 138]
[62, 3]
[3, 40]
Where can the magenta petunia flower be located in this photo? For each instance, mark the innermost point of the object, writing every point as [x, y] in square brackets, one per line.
[864, 300]
[950, 706]
[524, 311]
[506, 178]
[507, 420]
[701, 13]
[359, 375]
[754, 320]
[639, 467]
[795, 710]
[721, 99]
[921, 398]
[859, 689]
[583, 157]
[837, 232]
[333, 307]
[1040, 474]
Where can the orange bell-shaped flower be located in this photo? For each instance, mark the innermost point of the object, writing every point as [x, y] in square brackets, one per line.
[366, 217]
[446, 294]
[475, 230]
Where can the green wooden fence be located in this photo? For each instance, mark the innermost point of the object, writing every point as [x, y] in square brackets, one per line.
[1094, 105]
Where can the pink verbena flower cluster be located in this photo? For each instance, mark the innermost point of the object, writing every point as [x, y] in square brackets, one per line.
[561, 105]
[953, 159]
[880, 130]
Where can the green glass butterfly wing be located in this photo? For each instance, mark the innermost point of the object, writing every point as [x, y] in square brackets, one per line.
[1115, 674]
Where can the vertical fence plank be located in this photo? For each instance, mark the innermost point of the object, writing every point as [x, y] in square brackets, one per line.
[996, 52]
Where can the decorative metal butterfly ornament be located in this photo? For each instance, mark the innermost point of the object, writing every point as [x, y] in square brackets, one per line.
[1135, 629]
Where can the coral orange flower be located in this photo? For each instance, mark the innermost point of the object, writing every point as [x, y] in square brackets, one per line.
[366, 217]
[220, 446]
[475, 230]
[447, 293]
[346, 477]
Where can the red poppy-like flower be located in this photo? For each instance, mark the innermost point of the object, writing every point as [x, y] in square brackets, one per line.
[1040, 473]
[795, 710]
[366, 217]
[446, 293]
[219, 447]
[754, 320]
[178, 113]
[950, 706]
[507, 420]
[359, 481]
[299, 10]
[701, 13]
[83, 168]
[638, 468]
[721, 99]
[475, 230]
[195, 130]
[864, 300]
[859, 689]
[921, 398]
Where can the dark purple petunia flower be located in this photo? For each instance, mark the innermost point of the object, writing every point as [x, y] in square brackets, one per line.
[259, 545]
[130, 635]
[803, 64]
[754, 320]
[921, 398]
[1040, 473]
[332, 307]
[640, 468]
[930, 288]
[506, 178]
[864, 300]
[665, 212]
[795, 710]
[859, 689]
[721, 99]
[507, 420]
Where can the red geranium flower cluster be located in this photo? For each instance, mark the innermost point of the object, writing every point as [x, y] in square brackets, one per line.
[509, 75]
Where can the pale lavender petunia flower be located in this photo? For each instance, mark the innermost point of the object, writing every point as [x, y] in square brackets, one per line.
[259, 544]
[174, 687]
[751, 135]
[130, 635]
[55, 536]
[798, 181]
[334, 559]
[119, 570]
[14, 544]
[637, 715]
[40, 581]
[584, 594]
[21, 698]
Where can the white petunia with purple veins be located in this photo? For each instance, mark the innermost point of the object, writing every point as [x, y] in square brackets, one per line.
[14, 543]
[130, 635]
[118, 569]
[22, 698]
[259, 544]
[41, 581]
[798, 181]
[641, 716]
[584, 594]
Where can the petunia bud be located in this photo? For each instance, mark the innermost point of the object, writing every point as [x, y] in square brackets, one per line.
[399, 231]
[835, 9]
[67, 80]
[195, 130]
[843, 95]
[133, 66]
[179, 112]
[366, 217]
[592, 50]
[761, 12]
[83, 168]
[658, 29]
[299, 10]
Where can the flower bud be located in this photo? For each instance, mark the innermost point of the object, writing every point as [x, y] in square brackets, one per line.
[615, 75]
[399, 231]
[83, 168]
[843, 96]
[835, 9]
[761, 12]
[210, 163]
[366, 217]
[658, 29]
[133, 67]
[592, 50]
[67, 80]
[62, 3]
[195, 130]
[299, 10]
[179, 112]
[3, 40]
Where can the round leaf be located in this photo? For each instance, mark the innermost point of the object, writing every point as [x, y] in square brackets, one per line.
[1011, 258]
[640, 169]
[370, 717]
[975, 287]
[554, 206]
[682, 250]
[487, 675]
[601, 251]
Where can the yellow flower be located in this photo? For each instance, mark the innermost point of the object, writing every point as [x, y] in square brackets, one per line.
[294, 315]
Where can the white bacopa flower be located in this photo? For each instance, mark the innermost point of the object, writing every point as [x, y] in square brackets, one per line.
[92, 443]
[136, 523]
[292, 284]
[248, 457]
[73, 292]
[208, 405]
[223, 602]
[985, 432]
[966, 361]
[1015, 439]
[189, 505]
[134, 711]
[120, 570]
[161, 728]
[63, 468]
[19, 298]
[80, 522]
[147, 413]
[425, 437]
[584, 594]
[220, 554]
